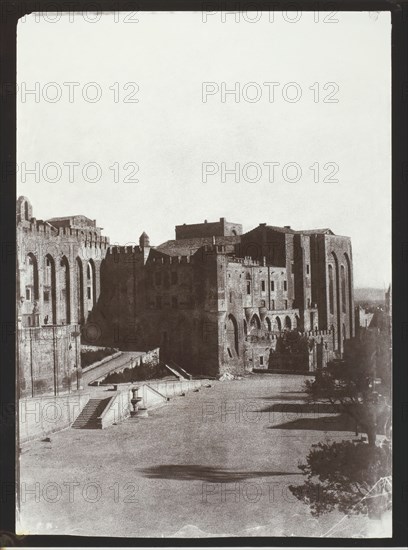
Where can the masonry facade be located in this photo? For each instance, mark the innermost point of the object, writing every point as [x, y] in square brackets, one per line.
[213, 299]
[231, 302]
[58, 285]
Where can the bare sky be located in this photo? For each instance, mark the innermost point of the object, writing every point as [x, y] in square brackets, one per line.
[170, 131]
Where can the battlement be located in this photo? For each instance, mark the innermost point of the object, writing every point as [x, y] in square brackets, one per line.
[44, 228]
[222, 250]
[247, 261]
[126, 249]
[78, 228]
[161, 260]
[40, 227]
[317, 332]
[172, 260]
[260, 334]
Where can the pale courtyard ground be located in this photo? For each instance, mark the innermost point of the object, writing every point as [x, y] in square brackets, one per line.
[217, 462]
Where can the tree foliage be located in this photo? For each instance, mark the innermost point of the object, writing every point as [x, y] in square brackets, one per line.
[350, 477]
[292, 341]
[353, 477]
[358, 385]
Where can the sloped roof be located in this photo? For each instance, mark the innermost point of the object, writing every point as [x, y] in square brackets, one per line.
[185, 247]
[325, 231]
[279, 229]
[77, 219]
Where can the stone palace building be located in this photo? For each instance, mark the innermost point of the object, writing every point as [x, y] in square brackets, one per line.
[214, 299]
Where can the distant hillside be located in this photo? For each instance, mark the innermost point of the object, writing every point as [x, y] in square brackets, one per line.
[369, 295]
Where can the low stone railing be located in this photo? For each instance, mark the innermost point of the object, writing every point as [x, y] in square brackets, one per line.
[102, 361]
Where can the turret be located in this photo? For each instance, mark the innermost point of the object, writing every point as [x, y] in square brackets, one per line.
[144, 243]
[24, 210]
[144, 240]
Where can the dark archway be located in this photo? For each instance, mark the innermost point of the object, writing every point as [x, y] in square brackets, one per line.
[350, 294]
[331, 290]
[268, 324]
[90, 285]
[79, 290]
[288, 322]
[50, 297]
[279, 324]
[337, 301]
[343, 289]
[65, 290]
[31, 292]
[255, 321]
[232, 334]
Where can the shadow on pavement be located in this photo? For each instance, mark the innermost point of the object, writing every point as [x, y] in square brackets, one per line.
[311, 408]
[281, 397]
[340, 423]
[205, 473]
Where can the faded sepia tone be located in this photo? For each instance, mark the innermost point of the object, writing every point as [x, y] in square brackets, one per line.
[221, 366]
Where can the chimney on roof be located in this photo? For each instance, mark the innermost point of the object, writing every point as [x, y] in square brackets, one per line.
[262, 224]
[287, 226]
[205, 221]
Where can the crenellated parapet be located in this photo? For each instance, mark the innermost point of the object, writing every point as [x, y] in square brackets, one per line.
[169, 260]
[128, 249]
[41, 228]
[246, 261]
[259, 334]
[38, 228]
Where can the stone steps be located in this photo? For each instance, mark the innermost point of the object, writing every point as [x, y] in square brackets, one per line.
[178, 371]
[88, 418]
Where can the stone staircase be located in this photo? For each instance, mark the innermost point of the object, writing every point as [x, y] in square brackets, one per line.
[180, 373]
[88, 418]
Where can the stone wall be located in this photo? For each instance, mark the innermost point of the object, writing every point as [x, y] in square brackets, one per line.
[198, 306]
[160, 301]
[200, 309]
[332, 286]
[262, 351]
[41, 416]
[57, 269]
[48, 360]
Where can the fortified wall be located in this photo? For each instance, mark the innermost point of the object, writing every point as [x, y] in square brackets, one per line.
[58, 285]
[213, 300]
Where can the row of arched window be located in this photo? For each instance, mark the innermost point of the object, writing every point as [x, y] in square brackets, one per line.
[338, 282]
[275, 325]
[57, 288]
[255, 323]
[340, 292]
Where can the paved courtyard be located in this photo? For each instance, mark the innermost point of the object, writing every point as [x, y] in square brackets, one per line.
[217, 462]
